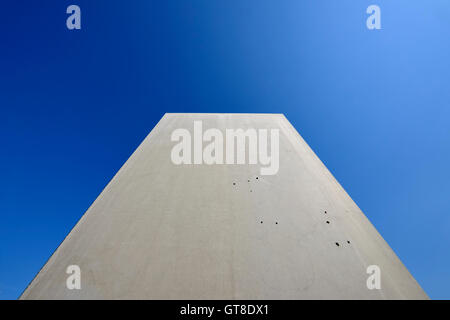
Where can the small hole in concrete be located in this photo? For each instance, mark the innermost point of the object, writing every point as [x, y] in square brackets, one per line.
[256, 178]
[248, 180]
[328, 222]
[325, 212]
[337, 243]
[276, 222]
[234, 183]
[348, 242]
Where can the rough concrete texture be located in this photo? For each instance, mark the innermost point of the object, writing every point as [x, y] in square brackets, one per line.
[165, 231]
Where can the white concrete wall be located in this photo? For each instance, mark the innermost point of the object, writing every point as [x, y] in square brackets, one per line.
[161, 231]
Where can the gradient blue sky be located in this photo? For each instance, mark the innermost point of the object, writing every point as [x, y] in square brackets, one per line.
[373, 105]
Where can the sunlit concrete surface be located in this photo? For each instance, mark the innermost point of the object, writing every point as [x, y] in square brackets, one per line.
[166, 231]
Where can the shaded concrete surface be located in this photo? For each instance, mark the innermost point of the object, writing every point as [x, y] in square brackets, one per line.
[165, 231]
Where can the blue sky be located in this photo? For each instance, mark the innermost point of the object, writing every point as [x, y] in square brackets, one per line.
[373, 105]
